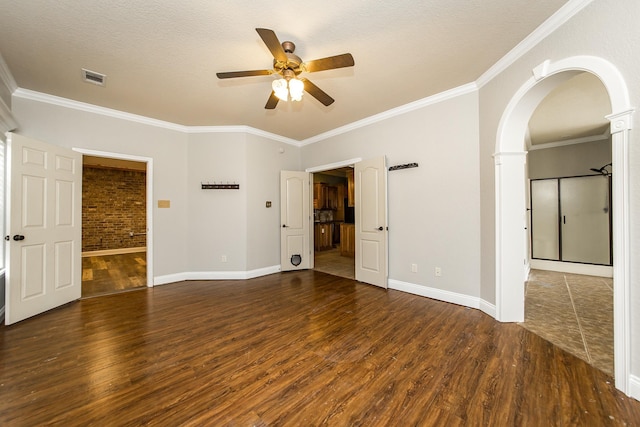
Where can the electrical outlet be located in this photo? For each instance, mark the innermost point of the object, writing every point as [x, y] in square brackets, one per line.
[223, 258]
[438, 272]
[414, 268]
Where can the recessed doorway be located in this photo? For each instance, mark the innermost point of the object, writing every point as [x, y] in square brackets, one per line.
[334, 222]
[114, 225]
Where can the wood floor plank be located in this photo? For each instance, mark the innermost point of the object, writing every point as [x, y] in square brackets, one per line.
[299, 348]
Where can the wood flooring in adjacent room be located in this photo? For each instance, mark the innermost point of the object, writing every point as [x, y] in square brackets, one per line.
[107, 274]
[292, 349]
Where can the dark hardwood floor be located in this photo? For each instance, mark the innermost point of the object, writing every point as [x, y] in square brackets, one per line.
[292, 349]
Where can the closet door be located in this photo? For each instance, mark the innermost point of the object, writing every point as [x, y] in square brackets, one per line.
[545, 242]
[584, 206]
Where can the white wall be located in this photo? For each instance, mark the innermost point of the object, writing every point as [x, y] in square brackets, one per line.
[235, 223]
[265, 160]
[168, 148]
[201, 226]
[569, 160]
[433, 209]
[607, 29]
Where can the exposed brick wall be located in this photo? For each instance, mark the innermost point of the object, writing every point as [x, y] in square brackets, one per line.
[113, 204]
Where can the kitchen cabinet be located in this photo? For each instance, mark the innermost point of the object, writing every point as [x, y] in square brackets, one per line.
[323, 237]
[330, 197]
[325, 196]
[348, 240]
[351, 189]
[318, 198]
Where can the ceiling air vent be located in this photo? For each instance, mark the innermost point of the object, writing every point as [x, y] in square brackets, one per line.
[93, 77]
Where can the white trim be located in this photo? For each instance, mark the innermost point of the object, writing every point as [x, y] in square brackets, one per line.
[335, 165]
[488, 308]
[434, 293]
[403, 109]
[6, 78]
[120, 251]
[510, 199]
[215, 275]
[7, 121]
[149, 196]
[445, 296]
[634, 387]
[242, 129]
[555, 21]
[584, 139]
[572, 267]
[90, 108]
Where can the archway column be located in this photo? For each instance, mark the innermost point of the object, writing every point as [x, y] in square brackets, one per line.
[621, 124]
[510, 190]
[511, 229]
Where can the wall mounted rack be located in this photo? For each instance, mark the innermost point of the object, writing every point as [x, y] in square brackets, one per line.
[219, 186]
[405, 166]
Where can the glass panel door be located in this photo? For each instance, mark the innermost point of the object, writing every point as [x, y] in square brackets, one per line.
[584, 206]
[545, 234]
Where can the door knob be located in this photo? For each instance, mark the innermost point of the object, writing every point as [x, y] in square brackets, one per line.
[284, 226]
[18, 237]
[380, 228]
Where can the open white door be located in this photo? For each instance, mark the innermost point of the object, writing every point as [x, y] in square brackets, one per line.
[294, 221]
[371, 221]
[44, 226]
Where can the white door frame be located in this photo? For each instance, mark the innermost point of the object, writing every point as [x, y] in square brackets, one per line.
[323, 168]
[149, 208]
[510, 208]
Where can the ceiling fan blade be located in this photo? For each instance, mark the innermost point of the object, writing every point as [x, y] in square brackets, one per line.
[233, 74]
[271, 40]
[317, 93]
[272, 101]
[338, 61]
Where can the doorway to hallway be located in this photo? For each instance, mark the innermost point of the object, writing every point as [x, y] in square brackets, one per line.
[114, 225]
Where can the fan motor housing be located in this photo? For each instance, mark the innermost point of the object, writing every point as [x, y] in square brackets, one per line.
[293, 61]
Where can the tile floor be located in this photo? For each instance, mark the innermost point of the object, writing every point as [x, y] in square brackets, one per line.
[333, 263]
[574, 312]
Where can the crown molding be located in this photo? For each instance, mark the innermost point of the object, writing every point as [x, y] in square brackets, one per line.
[555, 21]
[555, 144]
[7, 122]
[403, 109]
[242, 129]
[6, 78]
[90, 108]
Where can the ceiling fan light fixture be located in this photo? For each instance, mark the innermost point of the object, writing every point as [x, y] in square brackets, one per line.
[296, 88]
[279, 87]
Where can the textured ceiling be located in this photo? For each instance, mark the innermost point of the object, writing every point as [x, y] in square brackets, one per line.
[161, 56]
[576, 109]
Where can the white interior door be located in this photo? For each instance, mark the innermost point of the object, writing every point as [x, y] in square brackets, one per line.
[44, 226]
[295, 202]
[371, 221]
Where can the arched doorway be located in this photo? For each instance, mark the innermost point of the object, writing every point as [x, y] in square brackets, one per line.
[510, 212]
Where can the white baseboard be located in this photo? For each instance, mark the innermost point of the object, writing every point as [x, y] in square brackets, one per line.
[442, 295]
[115, 251]
[634, 387]
[572, 267]
[215, 275]
[488, 308]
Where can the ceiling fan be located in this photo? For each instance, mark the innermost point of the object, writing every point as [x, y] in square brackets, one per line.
[288, 66]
